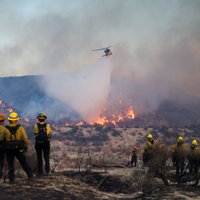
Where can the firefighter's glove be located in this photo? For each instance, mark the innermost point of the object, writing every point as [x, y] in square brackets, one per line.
[22, 151]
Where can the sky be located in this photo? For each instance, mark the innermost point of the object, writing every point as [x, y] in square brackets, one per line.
[155, 43]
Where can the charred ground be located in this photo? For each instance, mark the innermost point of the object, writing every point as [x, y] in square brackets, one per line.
[94, 185]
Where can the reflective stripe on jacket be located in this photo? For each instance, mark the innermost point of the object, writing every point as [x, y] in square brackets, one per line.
[48, 129]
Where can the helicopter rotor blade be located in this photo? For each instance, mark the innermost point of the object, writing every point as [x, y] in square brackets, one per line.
[101, 49]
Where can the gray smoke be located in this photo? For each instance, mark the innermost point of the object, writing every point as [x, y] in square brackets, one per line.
[155, 50]
[86, 91]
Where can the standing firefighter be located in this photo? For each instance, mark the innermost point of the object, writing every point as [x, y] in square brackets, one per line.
[4, 136]
[133, 157]
[193, 157]
[148, 150]
[179, 156]
[17, 145]
[42, 133]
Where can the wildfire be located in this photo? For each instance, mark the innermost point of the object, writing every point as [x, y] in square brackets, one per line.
[101, 121]
[107, 117]
[114, 119]
[130, 114]
[80, 123]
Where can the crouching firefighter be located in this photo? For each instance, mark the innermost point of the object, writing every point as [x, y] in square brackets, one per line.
[17, 145]
[42, 132]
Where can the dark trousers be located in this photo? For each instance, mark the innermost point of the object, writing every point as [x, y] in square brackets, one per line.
[134, 160]
[180, 165]
[42, 148]
[10, 155]
[193, 167]
[2, 157]
[147, 159]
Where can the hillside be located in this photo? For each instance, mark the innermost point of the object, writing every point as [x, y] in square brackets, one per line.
[26, 95]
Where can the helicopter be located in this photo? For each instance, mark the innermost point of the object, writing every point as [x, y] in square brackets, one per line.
[107, 51]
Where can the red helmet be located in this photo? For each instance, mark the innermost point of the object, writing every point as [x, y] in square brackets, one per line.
[2, 117]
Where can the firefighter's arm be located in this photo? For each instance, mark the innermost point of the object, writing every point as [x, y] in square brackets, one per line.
[35, 130]
[7, 135]
[25, 137]
[147, 145]
[48, 130]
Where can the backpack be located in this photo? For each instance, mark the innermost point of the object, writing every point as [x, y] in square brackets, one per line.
[14, 144]
[42, 133]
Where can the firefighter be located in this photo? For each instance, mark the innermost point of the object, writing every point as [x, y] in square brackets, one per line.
[42, 132]
[133, 157]
[4, 136]
[179, 156]
[17, 145]
[148, 150]
[193, 157]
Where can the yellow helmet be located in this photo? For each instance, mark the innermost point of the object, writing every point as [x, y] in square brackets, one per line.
[180, 139]
[13, 116]
[194, 142]
[149, 136]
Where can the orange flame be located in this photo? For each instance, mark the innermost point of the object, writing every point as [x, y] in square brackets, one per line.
[130, 113]
[79, 123]
[106, 117]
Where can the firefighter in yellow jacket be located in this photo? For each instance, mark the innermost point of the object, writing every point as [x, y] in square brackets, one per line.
[4, 136]
[148, 150]
[42, 133]
[17, 145]
[193, 157]
[179, 155]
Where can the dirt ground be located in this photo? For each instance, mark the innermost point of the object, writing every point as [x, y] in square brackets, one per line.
[115, 183]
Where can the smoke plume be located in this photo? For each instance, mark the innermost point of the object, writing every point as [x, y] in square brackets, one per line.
[155, 49]
[86, 91]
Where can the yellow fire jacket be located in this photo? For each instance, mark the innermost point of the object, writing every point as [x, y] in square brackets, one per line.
[20, 135]
[180, 151]
[4, 133]
[48, 129]
[194, 154]
[149, 145]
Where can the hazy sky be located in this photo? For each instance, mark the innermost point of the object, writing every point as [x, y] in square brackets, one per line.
[38, 35]
[155, 43]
